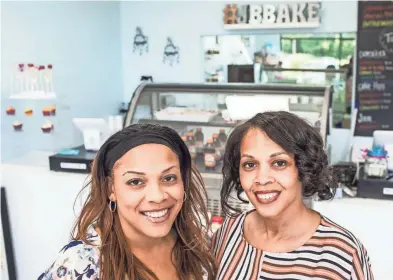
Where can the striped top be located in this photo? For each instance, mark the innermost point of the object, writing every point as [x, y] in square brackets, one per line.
[331, 253]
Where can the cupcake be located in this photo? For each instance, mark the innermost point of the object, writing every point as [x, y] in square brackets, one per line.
[47, 127]
[10, 110]
[28, 111]
[52, 109]
[17, 125]
[49, 110]
[46, 111]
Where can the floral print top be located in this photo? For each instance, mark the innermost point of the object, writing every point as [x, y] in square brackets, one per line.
[79, 261]
[76, 261]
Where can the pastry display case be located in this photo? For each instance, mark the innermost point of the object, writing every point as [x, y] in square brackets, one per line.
[205, 114]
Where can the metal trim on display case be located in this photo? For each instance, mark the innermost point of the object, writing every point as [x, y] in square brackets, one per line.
[325, 112]
[132, 105]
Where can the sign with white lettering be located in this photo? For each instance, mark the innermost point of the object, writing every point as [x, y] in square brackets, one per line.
[374, 71]
[284, 15]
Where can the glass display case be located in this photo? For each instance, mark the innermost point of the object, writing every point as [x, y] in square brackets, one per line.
[204, 114]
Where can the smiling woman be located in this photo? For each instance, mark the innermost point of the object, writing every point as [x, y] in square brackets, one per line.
[143, 216]
[276, 158]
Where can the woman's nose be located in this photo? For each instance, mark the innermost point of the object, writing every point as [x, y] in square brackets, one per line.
[264, 175]
[155, 193]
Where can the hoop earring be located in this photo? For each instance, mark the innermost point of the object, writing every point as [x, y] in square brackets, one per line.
[112, 206]
[185, 196]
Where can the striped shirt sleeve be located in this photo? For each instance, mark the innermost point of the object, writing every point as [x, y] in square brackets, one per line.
[361, 265]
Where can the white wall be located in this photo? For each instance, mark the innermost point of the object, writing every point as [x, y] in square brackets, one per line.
[186, 22]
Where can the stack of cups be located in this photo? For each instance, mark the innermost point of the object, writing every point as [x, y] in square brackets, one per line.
[115, 123]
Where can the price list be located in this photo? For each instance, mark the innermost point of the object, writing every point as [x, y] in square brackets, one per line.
[374, 67]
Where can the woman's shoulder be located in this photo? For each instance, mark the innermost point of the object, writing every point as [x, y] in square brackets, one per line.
[75, 260]
[333, 235]
[331, 230]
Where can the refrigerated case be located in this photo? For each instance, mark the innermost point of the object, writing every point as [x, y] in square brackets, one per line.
[204, 114]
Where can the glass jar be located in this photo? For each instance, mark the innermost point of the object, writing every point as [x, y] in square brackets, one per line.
[376, 164]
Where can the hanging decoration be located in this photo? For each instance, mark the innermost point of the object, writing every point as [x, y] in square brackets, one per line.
[10, 111]
[171, 52]
[141, 41]
[17, 126]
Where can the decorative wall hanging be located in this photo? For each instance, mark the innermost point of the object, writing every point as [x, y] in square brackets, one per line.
[17, 125]
[31, 81]
[49, 110]
[141, 42]
[10, 111]
[47, 127]
[171, 52]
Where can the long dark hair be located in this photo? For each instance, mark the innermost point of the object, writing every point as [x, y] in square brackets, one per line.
[191, 251]
[295, 136]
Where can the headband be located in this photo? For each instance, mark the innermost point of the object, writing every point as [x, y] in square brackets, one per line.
[122, 147]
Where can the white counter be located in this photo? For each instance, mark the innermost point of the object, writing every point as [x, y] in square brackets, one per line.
[41, 213]
[371, 221]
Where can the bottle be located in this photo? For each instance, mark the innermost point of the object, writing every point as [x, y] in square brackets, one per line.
[216, 141]
[222, 136]
[199, 137]
[210, 152]
[209, 147]
[191, 138]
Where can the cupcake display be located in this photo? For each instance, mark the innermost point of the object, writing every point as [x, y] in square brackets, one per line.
[28, 112]
[10, 111]
[47, 127]
[17, 125]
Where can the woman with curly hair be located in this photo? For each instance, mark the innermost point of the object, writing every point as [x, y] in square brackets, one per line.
[276, 158]
[143, 218]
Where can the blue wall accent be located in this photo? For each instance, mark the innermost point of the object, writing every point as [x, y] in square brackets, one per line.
[82, 40]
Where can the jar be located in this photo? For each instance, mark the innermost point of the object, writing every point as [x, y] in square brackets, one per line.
[222, 136]
[376, 163]
[190, 137]
[216, 223]
[216, 141]
[199, 137]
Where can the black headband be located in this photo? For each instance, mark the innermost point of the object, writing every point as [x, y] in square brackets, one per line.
[138, 139]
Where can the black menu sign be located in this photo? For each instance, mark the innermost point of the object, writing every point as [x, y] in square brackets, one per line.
[374, 70]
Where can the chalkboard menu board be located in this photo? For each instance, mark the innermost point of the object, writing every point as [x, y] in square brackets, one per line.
[374, 70]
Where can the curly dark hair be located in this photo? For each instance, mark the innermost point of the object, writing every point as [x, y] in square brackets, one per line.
[295, 136]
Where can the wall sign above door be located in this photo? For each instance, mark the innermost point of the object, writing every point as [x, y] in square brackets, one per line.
[284, 15]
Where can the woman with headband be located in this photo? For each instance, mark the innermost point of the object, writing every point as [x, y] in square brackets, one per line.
[142, 218]
[276, 158]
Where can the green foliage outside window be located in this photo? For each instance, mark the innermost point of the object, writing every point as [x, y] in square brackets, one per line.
[339, 46]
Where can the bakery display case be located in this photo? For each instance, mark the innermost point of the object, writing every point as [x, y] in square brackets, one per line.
[204, 114]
